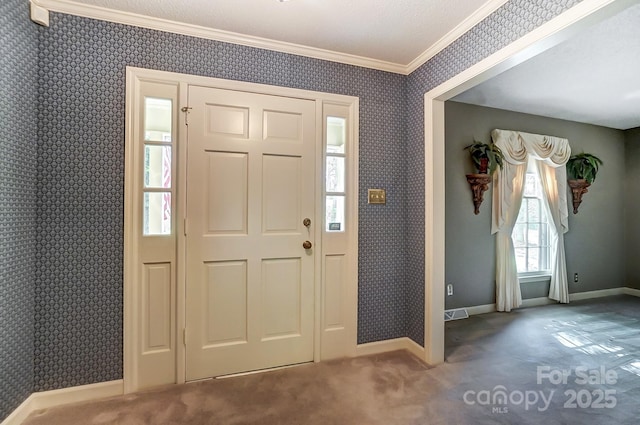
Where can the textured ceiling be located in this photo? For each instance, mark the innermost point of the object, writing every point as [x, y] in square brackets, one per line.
[396, 31]
[592, 78]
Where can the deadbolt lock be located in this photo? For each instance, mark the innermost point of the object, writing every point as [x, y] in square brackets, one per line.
[306, 222]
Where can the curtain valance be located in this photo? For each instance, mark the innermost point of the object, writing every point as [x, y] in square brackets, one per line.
[517, 146]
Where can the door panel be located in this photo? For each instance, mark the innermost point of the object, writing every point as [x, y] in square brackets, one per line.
[285, 126]
[227, 192]
[226, 303]
[281, 193]
[334, 292]
[281, 298]
[228, 121]
[250, 184]
[157, 306]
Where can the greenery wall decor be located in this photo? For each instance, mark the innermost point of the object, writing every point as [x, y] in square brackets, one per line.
[582, 169]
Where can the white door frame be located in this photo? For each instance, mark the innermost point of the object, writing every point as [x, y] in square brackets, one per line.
[544, 37]
[131, 302]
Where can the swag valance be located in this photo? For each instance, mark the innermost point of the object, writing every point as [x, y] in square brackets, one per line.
[517, 146]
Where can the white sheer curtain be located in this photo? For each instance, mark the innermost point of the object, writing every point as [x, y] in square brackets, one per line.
[551, 153]
[508, 184]
[555, 188]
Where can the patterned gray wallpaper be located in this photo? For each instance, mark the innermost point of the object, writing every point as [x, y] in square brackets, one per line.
[18, 127]
[512, 21]
[79, 211]
[78, 332]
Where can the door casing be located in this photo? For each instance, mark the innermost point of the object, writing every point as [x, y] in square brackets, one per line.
[131, 301]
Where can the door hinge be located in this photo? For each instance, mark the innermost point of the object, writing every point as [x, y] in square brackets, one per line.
[185, 227]
[187, 111]
[184, 336]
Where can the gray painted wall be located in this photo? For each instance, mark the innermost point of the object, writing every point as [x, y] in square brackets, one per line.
[18, 135]
[595, 241]
[632, 207]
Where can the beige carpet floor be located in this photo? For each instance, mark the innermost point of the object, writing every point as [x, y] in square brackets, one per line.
[483, 352]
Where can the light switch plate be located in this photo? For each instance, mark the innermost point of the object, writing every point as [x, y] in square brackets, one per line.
[377, 196]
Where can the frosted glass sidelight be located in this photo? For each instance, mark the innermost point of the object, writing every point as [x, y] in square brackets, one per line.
[335, 213]
[336, 134]
[335, 174]
[158, 119]
[157, 213]
[157, 166]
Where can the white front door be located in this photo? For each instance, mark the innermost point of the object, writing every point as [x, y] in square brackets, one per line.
[250, 187]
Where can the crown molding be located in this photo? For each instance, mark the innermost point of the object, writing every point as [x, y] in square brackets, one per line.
[127, 18]
[471, 21]
[104, 14]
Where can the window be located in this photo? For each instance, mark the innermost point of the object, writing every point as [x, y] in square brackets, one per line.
[531, 232]
[158, 119]
[335, 192]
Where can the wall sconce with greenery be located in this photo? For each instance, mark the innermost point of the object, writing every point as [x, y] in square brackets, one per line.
[486, 158]
[582, 170]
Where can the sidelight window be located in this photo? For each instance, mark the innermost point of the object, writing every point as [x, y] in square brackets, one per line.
[335, 191]
[158, 123]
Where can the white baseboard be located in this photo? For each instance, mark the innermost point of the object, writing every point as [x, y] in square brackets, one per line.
[535, 302]
[595, 294]
[481, 309]
[415, 349]
[21, 413]
[391, 345]
[631, 291]
[46, 399]
[490, 308]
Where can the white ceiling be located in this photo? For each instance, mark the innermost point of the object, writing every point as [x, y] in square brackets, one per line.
[593, 78]
[396, 31]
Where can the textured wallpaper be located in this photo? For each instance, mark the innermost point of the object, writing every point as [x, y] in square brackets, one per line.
[18, 126]
[81, 173]
[512, 21]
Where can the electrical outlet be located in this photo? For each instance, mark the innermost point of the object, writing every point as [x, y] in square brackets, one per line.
[450, 289]
[575, 278]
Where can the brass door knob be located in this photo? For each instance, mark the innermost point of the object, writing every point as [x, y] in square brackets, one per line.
[307, 245]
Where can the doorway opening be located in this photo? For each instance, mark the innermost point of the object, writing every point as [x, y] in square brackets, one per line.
[548, 35]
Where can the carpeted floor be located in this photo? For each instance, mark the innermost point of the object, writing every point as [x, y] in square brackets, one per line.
[560, 364]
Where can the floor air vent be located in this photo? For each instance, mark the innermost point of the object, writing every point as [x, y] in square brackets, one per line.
[455, 314]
